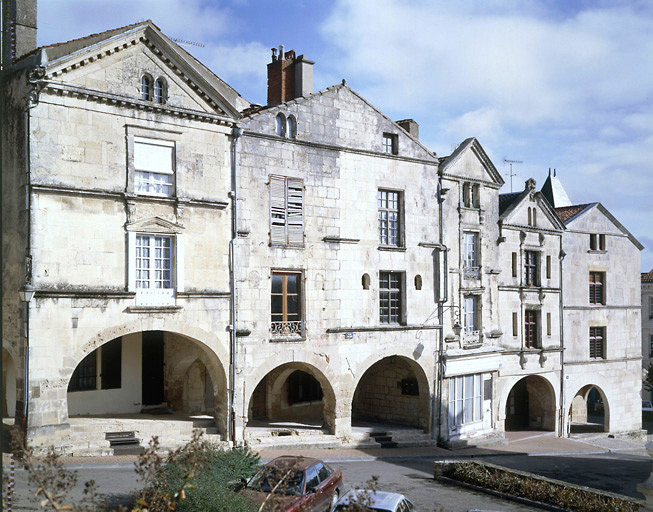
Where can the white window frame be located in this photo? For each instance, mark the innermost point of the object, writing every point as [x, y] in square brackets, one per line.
[465, 399]
[471, 253]
[152, 179]
[471, 320]
[152, 296]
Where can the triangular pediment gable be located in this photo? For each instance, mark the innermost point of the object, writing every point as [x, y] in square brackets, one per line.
[116, 63]
[353, 122]
[517, 212]
[155, 225]
[597, 219]
[470, 161]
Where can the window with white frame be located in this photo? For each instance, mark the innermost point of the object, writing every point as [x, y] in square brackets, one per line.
[390, 217]
[154, 167]
[470, 254]
[471, 323]
[153, 268]
[465, 399]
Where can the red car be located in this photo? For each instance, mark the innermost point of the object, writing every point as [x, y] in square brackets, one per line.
[294, 484]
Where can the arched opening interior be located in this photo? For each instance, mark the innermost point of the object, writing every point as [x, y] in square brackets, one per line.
[8, 385]
[392, 392]
[292, 396]
[531, 405]
[158, 374]
[589, 411]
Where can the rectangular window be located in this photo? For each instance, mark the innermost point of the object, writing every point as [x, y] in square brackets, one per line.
[593, 245]
[153, 262]
[465, 399]
[531, 331]
[476, 195]
[471, 323]
[390, 297]
[601, 242]
[85, 375]
[650, 354]
[286, 210]
[153, 167]
[597, 342]
[515, 324]
[470, 255]
[548, 324]
[531, 277]
[111, 367]
[390, 143]
[548, 267]
[286, 311]
[467, 194]
[597, 291]
[514, 264]
[389, 217]
[650, 308]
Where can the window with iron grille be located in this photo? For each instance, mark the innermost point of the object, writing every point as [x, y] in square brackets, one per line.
[153, 262]
[465, 399]
[85, 375]
[597, 292]
[154, 168]
[531, 330]
[390, 143]
[286, 210]
[597, 342]
[285, 307]
[390, 297]
[531, 274]
[389, 217]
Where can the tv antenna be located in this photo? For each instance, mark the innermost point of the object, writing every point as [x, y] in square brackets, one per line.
[188, 43]
[511, 174]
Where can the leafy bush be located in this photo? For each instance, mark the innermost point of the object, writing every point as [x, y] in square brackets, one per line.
[567, 497]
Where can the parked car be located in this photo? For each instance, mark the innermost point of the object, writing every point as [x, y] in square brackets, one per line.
[295, 484]
[376, 501]
[647, 406]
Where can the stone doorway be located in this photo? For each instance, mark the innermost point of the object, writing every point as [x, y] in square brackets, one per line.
[589, 411]
[531, 405]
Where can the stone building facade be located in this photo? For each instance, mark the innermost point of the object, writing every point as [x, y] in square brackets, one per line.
[304, 267]
[647, 325]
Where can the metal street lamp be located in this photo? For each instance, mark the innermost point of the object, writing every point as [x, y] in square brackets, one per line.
[26, 292]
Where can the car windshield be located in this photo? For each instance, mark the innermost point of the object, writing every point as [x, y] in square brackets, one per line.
[291, 482]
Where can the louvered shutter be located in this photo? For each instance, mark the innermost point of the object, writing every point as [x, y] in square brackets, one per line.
[278, 209]
[295, 210]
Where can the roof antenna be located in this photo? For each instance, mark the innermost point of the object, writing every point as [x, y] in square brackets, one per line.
[189, 43]
[511, 174]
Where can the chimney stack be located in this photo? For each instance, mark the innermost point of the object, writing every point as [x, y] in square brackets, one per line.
[410, 126]
[289, 77]
[18, 30]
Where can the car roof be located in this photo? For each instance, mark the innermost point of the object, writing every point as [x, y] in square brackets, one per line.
[377, 499]
[291, 461]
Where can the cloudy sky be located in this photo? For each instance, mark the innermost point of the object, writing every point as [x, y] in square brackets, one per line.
[553, 83]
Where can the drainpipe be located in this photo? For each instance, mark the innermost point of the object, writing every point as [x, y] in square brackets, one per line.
[444, 252]
[231, 426]
[562, 346]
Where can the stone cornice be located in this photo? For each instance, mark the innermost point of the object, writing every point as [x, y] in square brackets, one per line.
[532, 229]
[381, 328]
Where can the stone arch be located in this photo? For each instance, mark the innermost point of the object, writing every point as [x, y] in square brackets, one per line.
[9, 374]
[271, 390]
[393, 389]
[531, 405]
[589, 410]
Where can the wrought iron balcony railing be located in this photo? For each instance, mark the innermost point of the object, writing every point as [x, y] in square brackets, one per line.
[286, 329]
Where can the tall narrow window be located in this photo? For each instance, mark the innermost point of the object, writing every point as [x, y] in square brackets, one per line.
[146, 88]
[154, 167]
[548, 267]
[291, 127]
[593, 245]
[467, 194]
[389, 217]
[160, 90]
[601, 242]
[515, 324]
[153, 262]
[470, 254]
[514, 264]
[531, 277]
[465, 399]
[390, 143]
[597, 342]
[534, 217]
[471, 326]
[286, 210]
[597, 292]
[390, 297]
[280, 121]
[476, 195]
[530, 216]
[548, 324]
[531, 331]
[285, 307]
[650, 354]
[650, 308]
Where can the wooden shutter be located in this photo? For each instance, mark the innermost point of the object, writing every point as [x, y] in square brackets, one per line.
[278, 209]
[295, 211]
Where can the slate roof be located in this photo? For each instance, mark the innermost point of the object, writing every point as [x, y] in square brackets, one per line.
[554, 191]
[506, 200]
[566, 213]
[647, 277]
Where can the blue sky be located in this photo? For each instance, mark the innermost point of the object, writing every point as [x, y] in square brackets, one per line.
[552, 83]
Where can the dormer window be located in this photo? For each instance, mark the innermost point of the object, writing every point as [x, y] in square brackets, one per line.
[146, 87]
[160, 91]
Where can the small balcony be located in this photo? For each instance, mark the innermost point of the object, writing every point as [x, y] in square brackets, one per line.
[471, 338]
[471, 272]
[292, 329]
